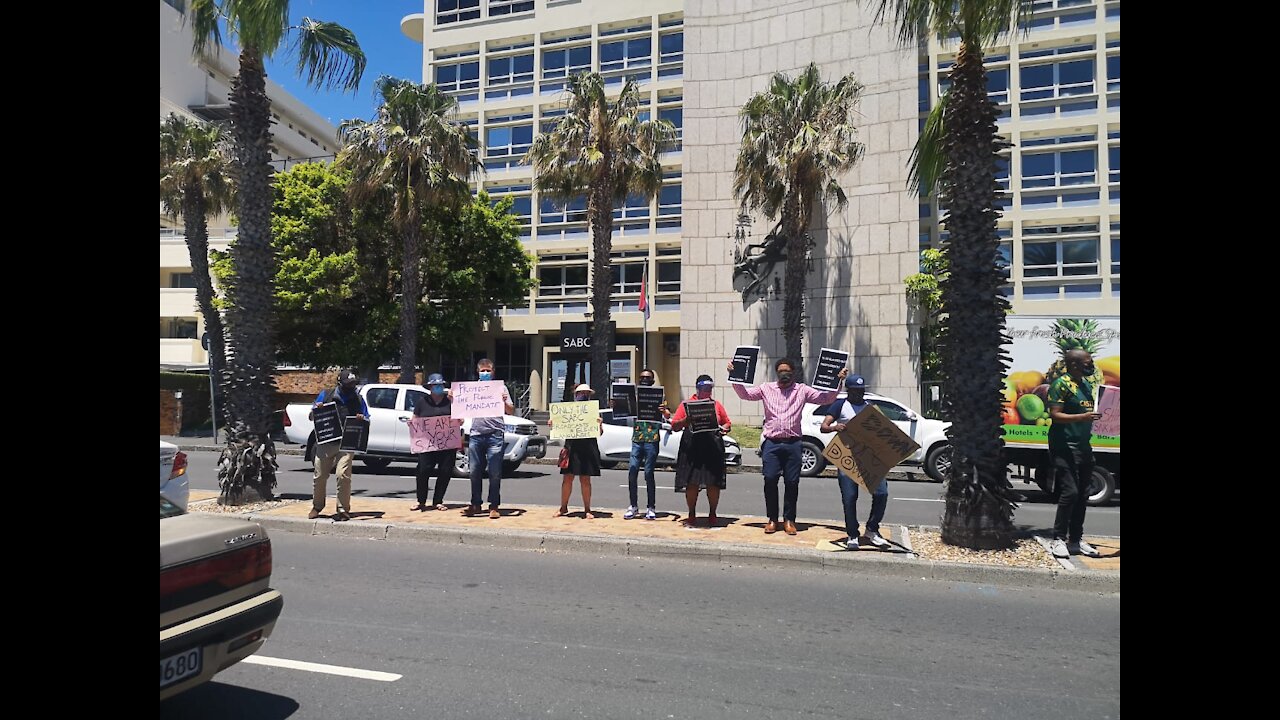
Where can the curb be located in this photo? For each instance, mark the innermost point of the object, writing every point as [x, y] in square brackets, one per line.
[732, 555]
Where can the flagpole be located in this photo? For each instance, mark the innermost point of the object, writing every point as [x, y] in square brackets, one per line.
[644, 334]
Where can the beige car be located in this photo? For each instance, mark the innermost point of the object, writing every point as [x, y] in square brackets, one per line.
[215, 604]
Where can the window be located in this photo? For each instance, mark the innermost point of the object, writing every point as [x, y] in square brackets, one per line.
[675, 116]
[633, 207]
[1113, 164]
[521, 200]
[671, 55]
[625, 54]
[508, 7]
[553, 212]
[626, 277]
[557, 280]
[458, 77]
[1113, 73]
[512, 357]
[512, 69]
[182, 280]
[669, 199]
[451, 11]
[508, 144]
[1115, 251]
[1060, 251]
[1054, 80]
[384, 398]
[566, 62]
[1058, 169]
[669, 276]
[411, 398]
[892, 411]
[550, 119]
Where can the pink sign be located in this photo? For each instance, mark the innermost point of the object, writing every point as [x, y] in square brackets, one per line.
[1109, 409]
[428, 434]
[481, 399]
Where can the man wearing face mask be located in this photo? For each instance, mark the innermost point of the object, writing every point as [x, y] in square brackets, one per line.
[1071, 407]
[435, 403]
[484, 450]
[328, 458]
[780, 449]
[644, 450]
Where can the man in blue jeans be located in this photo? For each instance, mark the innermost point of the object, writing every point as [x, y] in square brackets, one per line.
[838, 417]
[484, 450]
[644, 450]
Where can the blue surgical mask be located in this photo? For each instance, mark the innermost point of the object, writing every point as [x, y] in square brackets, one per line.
[486, 374]
[437, 389]
[581, 397]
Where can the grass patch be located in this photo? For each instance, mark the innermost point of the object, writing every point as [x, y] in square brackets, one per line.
[746, 435]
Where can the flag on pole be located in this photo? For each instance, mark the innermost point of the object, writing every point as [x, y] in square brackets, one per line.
[643, 306]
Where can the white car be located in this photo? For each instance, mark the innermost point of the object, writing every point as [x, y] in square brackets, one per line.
[615, 443]
[931, 435]
[173, 474]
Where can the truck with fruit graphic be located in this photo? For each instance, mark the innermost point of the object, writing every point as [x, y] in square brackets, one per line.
[1038, 345]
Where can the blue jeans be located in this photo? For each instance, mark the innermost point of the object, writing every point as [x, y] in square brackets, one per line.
[485, 452]
[781, 458]
[849, 496]
[647, 453]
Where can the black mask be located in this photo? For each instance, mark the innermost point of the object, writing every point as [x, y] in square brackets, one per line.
[646, 381]
[784, 378]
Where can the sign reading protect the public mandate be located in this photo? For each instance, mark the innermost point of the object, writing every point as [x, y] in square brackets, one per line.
[327, 425]
[648, 398]
[481, 399]
[826, 375]
[571, 420]
[870, 446]
[745, 358]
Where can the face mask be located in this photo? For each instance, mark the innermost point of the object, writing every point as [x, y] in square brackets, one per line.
[646, 381]
[581, 397]
[784, 378]
[486, 374]
[437, 389]
[704, 392]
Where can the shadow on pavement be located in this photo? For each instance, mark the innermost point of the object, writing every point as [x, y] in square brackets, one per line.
[219, 700]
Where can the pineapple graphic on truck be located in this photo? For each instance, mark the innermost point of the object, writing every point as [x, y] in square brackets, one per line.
[1038, 345]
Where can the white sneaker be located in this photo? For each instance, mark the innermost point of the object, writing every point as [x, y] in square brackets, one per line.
[874, 538]
[1083, 548]
[1059, 549]
[630, 513]
[851, 544]
[650, 514]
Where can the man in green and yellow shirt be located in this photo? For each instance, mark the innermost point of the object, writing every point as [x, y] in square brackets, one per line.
[644, 449]
[1072, 399]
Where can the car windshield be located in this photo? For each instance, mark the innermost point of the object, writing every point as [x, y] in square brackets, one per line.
[168, 509]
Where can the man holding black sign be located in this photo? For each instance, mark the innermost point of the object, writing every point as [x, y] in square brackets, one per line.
[644, 449]
[781, 448]
[328, 456]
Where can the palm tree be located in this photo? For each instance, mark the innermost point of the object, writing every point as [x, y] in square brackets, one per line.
[959, 149]
[607, 152]
[797, 139]
[419, 154]
[195, 183]
[330, 57]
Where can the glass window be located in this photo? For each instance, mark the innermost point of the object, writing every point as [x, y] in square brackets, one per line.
[182, 280]
[669, 198]
[671, 47]
[1057, 169]
[1113, 73]
[1113, 164]
[553, 212]
[506, 141]
[633, 207]
[411, 398]
[458, 77]
[892, 411]
[625, 54]
[675, 116]
[669, 276]
[507, 7]
[513, 69]
[451, 11]
[626, 277]
[559, 280]
[384, 398]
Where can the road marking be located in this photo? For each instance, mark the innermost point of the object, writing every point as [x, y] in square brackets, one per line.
[919, 499]
[320, 668]
[656, 487]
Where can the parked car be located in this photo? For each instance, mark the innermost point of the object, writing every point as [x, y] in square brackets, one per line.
[216, 603]
[390, 408]
[615, 443]
[931, 435]
[173, 474]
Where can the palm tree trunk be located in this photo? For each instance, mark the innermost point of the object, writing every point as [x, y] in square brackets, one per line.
[410, 295]
[793, 306]
[600, 212]
[196, 227]
[249, 458]
[979, 511]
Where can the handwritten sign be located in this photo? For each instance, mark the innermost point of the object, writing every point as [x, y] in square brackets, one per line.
[1109, 408]
[429, 434]
[624, 400]
[826, 376]
[648, 398]
[869, 447]
[355, 435]
[327, 424]
[745, 359]
[570, 420]
[481, 399]
[702, 415]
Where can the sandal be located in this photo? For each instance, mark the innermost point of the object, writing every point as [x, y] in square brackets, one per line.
[442, 507]
[418, 508]
[561, 512]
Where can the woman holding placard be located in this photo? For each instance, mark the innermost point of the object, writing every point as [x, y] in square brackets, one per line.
[701, 460]
[584, 461]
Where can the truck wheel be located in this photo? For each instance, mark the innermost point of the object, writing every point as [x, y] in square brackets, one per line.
[1102, 486]
[461, 465]
[376, 463]
[811, 461]
[938, 462]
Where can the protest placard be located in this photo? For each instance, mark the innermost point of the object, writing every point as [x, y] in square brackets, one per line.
[745, 358]
[429, 434]
[869, 447]
[478, 399]
[571, 420]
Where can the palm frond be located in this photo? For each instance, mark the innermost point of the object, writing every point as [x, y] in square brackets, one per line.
[329, 56]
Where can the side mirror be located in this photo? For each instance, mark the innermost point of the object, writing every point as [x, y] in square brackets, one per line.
[911, 416]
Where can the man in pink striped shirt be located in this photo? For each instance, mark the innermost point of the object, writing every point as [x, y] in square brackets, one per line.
[780, 450]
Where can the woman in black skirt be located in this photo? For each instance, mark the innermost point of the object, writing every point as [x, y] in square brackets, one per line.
[701, 460]
[584, 461]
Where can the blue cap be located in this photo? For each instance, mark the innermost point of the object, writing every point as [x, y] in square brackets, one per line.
[855, 382]
[435, 379]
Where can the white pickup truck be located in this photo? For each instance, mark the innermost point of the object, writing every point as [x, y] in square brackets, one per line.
[390, 407]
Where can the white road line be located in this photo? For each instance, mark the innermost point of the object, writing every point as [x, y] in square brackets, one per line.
[918, 499]
[656, 487]
[320, 668]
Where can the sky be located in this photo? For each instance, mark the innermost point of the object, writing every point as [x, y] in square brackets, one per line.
[376, 24]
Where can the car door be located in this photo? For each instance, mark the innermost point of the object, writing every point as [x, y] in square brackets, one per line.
[903, 418]
[408, 401]
[384, 418]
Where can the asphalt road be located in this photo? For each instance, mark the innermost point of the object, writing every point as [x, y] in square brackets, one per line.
[910, 503]
[486, 633]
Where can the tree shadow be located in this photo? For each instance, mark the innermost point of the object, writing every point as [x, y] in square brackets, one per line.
[220, 700]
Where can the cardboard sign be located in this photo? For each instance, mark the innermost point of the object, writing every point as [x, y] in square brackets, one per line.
[481, 399]
[624, 400]
[327, 424]
[745, 359]
[429, 434]
[648, 398]
[355, 435]
[869, 447]
[826, 376]
[702, 415]
[570, 420]
[1109, 408]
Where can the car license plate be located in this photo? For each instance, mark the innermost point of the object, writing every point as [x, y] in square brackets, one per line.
[181, 666]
